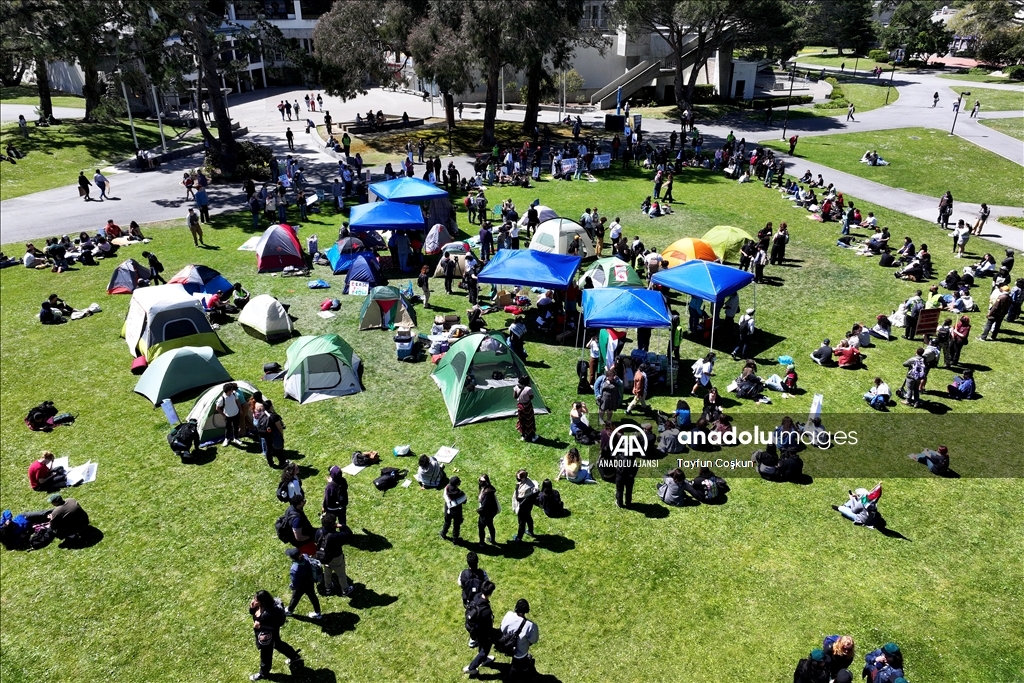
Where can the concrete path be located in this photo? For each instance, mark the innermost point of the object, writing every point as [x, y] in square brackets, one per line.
[10, 112]
[157, 196]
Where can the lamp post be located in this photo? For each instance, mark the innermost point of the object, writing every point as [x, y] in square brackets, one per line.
[888, 87]
[131, 121]
[959, 100]
[792, 75]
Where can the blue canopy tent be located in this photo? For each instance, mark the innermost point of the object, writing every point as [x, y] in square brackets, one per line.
[530, 268]
[631, 308]
[408, 190]
[709, 281]
[385, 216]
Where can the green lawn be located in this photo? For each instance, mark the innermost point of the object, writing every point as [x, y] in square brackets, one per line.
[828, 57]
[29, 94]
[56, 154]
[921, 160]
[618, 595]
[1013, 127]
[865, 95]
[976, 78]
[1015, 221]
[996, 100]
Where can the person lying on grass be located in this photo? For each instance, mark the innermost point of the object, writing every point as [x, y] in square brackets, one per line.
[936, 461]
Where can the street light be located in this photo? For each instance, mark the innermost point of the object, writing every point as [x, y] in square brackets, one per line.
[966, 93]
[792, 74]
[889, 87]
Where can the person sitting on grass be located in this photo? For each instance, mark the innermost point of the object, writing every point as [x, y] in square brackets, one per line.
[550, 500]
[813, 668]
[241, 295]
[216, 306]
[43, 476]
[430, 473]
[67, 518]
[823, 354]
[861, 508]
[571, 468]
[937, 462]
[878, 395]
[708, 486]
[962, 387]
[676, 491]
[579, 425]
[847, 356]
[748, 384]
[884, 665]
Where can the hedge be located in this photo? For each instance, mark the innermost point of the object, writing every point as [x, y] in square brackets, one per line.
[878, 55]
[1015, 72]
[762, 103]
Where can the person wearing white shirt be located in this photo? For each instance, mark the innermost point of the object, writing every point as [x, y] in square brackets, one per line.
[870, 221]
[513, 234]
[516, 622]
[878, 395]
[653, 263]
[615, 230]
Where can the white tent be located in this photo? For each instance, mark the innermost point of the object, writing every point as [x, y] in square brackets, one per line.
[166, 317]
[555, 235]
[211, 423]
[544, 213]
[436, 239]
[265, 316]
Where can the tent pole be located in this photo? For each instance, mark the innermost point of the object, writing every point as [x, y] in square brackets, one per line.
[713, 322]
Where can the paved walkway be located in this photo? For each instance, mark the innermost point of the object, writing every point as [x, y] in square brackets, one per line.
[10, 112]
[157, 196]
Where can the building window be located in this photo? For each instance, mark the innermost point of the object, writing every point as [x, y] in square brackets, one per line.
[312, 9]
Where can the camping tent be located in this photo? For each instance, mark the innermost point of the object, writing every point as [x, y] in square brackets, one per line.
[726, 241]
[460, 265]
[386, 307]
[544, 213]
[166, 317]
[436, 240]
[385, 216]
[319, 368]
[125, 278]
[624, 308]
[364, 268]
[179, 370]
[612, 272]
[265, 317]
[277, 249]
[343, 252]
[687, 249]
[709, 281]
[530, 268]
[555, 235]
[200, 280]
[204, 412]
[407, 190]
[483, 397]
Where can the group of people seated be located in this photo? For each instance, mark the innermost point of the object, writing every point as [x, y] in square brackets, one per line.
[31, 530]
[13, 154]
[63, 252]
[832, 661]
[706, 487]
[871, 158]
[653, 209]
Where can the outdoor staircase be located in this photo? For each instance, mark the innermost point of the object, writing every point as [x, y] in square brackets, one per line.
[641, 75]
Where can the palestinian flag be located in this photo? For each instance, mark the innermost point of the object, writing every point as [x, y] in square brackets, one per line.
[608, 341]
[873, 495]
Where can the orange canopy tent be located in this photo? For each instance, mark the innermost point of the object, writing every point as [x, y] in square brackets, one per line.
[687, 249]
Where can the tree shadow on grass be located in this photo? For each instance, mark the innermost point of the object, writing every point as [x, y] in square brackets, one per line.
[87, 539]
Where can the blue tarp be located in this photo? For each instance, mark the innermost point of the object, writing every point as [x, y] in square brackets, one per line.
[385, 216]
[530, 268]
[407, 190]
[707, 280]
[618, 307]
[364, 268]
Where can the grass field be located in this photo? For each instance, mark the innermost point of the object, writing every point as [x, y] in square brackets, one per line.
[866, 95]
[996, 100]
[976, 78]
[1016, 221]
[828, 57]
[1013, 127]
[28, 94]
[56, 154]
[618, 595]
[921, 160]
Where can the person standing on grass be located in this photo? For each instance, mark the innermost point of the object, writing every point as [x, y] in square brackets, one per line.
[525, 418]
[302, 583]
[523, 499]
[192, 220]
[22, 126]
[639, 389]
[746, 333]
[759, 261]
[203, 202]
[523, 666]
[487, 508]
[330, 541]
[849, 112]
[793, 139]
[229, 405]
[255, 208]
[423, 281]
[155, 267]
[268, 616]
[83, 185]
[448, 268]
[454, 498]
[290, 136]
[480, 624]
[998, 309]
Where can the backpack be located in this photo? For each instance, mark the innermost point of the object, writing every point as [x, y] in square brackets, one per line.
[282, 492]
[389, 478]
[41, 537]
[283, 527]
[471, 583]
[182, 436]
[474, 621]
[711, 488]
[509, 640]
[360, 459]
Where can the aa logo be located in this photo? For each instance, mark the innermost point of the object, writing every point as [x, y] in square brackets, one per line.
[629, 441]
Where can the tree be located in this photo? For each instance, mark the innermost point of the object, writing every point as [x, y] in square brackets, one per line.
[998, 27]
[840, 25]
[693, 29]
[912, 28]
[32, 28]
[777, 36]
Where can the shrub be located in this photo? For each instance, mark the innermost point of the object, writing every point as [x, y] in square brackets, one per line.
[253, 162]
[962, 71]
[776, 102]
[1015, 72]
[704, 93]
[977, 71]
[841, 103]
[837, 91]
[878, 55]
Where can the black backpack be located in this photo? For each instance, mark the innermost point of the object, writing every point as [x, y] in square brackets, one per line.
[282, 492]
[283, 527]
[509, 640]
[183, 436]
[389, 478]
[472, 580]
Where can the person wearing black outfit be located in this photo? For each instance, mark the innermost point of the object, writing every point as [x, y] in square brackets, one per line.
[487, 508]
[302, 583]
[448, 268]
[336, 495]
[480, 624]
[155, 268]
[625, 475]
[813, 668]
[471, 580]
[330, 541]
[267, 619]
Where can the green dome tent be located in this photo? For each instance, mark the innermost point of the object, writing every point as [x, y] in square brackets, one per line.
[386, 307]
[726, 241]
[319, 368]
[466, 377]
[179, 370]
[211, 423]
[611, 272]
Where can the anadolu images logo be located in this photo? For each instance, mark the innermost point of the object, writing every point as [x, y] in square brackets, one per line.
[629, 441]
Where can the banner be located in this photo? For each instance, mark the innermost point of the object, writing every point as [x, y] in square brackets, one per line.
[358, 288]
[601, 161]
[568, 166]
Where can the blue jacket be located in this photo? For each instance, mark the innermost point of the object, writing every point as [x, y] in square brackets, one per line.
[301, 574]
[883, 672]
